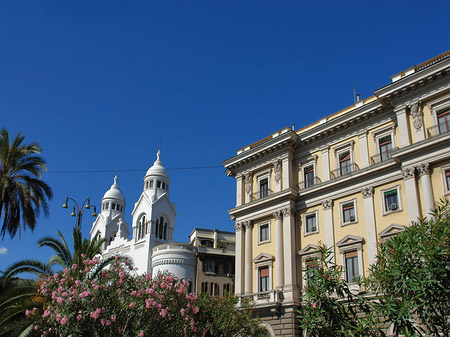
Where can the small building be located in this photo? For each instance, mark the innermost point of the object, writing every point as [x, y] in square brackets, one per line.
[215, 260]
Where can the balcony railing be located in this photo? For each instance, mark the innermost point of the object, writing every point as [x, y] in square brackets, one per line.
[382, 156]
[309, 183]
[261, 194]
[265, 297]
[440, 129]
[342, 171]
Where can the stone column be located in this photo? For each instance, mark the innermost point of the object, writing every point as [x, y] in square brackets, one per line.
[239, 257]
[248, 187]
[286, 175]
[409, 178]
[239, 190]
[427, 190]
[416, 113]
[403, 127]
[371, 231]
[290, 265]
[279, 263]
[364, 151]
[248, 257]
[328, 221]
[325, 165]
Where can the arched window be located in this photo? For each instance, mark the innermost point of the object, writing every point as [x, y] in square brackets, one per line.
[156, 228]
[161, 228]
[165, 231]
[141, 228]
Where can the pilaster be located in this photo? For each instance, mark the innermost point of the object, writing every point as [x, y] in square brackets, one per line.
[239, 190]
[403, 127]
[329, 227]
[290, 265]
[248, 257]
[427, 190]
[412, 201]
[277, 172]
[248, 186]
[239, 257]
[371, 231]
[364, 151]
[287, 175]
[325, 165]
[417, 116]
[279, 263]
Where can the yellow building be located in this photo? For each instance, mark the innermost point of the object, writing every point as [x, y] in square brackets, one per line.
[348, 180]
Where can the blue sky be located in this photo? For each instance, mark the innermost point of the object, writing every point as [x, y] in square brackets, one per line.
[98, 83]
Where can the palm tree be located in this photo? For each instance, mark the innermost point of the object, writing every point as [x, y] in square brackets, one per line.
[22, 193]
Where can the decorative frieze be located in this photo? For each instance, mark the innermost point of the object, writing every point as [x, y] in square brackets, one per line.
[367, 192]
[408, 172]
[173, 261]
[423, 169]
[327, 204]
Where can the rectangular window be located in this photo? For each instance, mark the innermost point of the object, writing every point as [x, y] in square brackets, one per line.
[263, 187]
[151, 183]
[309, 176]
[348, 212]
[163, 185]
[444, 121]
[345, 166]
[207, 243]
[209, 266]
[447, 179]
[385, 144]
[264, 233]
[311, 224]
[158, 184]
[264, 279]
[391, 200]
[351, 266]
[311, 266]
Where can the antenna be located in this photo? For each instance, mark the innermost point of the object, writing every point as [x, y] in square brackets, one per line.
[354, 94]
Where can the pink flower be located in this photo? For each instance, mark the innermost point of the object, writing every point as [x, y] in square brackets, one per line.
[163, 313]
[314, 304]
[113, 318]
[79, 317]
[59, 300]
[27, 312]
[141, 334]
[326, 277]
[195, 310]
[74, 266]
[132, 305]
[64, 320]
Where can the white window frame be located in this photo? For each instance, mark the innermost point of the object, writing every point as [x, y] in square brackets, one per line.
[347, 249]
[399, 199]
[308, 253]
[347, 146]
[305, 215]
[309, 161]
[261, 263]
[438, 105]
[383, 132]
[260, 176]
[341, 209]
[444, 181]
[259, 233]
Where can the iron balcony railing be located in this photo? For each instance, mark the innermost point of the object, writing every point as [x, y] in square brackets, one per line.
[309, 183]
[342, 171]
[271, 296]
[261, 194]
[382, 156]
[440, 129]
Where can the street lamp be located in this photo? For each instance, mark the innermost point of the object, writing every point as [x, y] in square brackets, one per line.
[78, 211]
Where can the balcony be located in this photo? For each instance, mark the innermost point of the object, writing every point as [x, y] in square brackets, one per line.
[383, 156]
[440, 129]
[261, 194]
[270, 297]
[309, 183]
[345, 170]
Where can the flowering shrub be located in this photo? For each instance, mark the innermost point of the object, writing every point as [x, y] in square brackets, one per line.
[117, 303]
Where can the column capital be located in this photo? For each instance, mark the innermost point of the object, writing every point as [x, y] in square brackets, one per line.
[248, 225]
[238, 226]
[278, 215]
[327, 204]
[367, 192]
[408, 172]
[287, 211]
[424, 169]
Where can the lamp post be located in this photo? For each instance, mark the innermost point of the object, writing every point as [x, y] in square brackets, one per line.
[78, 211]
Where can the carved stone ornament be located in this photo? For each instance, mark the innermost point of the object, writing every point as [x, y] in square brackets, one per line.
[367, 191]
[287, 211]
[416, 113]
[424, 169]
[327, 204]
[248, 225]
[248, 182]
[238, 226]
[277, 170]
[278, 215]
[408, 172]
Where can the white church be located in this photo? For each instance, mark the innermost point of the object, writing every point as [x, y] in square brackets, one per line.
[151, 246]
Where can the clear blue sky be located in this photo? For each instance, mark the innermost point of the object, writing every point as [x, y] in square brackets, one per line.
[97, 83]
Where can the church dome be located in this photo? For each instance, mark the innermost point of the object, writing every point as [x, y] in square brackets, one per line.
[114, 191]
[157, 169]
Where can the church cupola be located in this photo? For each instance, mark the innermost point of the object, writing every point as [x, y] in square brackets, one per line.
[156, 180]
[113, 201]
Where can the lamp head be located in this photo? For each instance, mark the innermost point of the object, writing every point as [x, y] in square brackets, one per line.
[73, 212]
[65, 204]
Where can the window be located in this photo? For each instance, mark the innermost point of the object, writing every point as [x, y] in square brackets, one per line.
[263, 187]
[151, 183]
[390, 201]
[444, 121]
[308, 173]
[311, 223]
[445, 171]
[385, 147]
[141, 228]
[163, 185]
[351, 266]
[113, 206]
[210, 266]
[345, 166]
[311, 266]
[348, 212]
[206, 243]
[264, 279]
[447, 179]
[264, 234]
